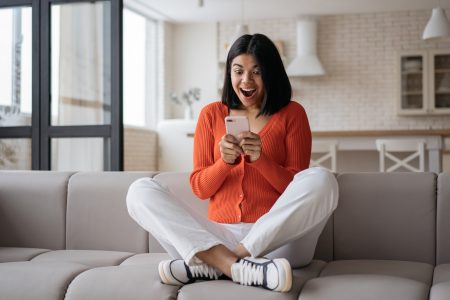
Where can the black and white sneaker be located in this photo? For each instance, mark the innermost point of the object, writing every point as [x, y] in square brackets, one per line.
[274, 275]
[176, 272]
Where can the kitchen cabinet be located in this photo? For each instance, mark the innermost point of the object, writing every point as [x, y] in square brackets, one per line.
[424, 82]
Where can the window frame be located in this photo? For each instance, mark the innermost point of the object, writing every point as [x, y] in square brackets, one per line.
[41, 131]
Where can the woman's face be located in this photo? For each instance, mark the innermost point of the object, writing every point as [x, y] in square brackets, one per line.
[247, 81]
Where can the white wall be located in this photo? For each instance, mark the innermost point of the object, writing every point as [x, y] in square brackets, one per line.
[193, 64]
[359, 53]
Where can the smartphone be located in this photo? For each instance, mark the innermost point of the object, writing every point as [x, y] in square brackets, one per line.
[236, 124]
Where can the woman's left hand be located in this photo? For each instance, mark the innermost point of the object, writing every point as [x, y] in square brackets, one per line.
[251, 145]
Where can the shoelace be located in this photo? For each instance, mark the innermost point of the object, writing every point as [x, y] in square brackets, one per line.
[203, 271]
[250, 273]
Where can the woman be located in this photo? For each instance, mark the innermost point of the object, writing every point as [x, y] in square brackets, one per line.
[262, 196]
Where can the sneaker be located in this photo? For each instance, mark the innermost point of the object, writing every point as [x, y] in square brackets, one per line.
[274, 275]
[176, 272]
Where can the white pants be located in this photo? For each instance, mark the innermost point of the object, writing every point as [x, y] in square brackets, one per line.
[295, 220]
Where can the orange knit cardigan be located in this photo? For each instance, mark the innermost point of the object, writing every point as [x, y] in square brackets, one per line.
[245, 191]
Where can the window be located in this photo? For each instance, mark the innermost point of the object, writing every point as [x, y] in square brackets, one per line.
[70, 101]
[140, 70]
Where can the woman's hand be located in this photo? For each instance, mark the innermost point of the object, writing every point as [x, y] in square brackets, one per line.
[251, 145]
[230, 149]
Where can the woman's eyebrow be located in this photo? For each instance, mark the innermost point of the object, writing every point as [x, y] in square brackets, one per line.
[240, 66]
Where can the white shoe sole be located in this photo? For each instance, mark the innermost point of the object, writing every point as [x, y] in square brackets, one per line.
[162, 274]
[284, 265]
[165, 275]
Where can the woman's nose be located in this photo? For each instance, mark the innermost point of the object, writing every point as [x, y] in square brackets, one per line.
[248, 76]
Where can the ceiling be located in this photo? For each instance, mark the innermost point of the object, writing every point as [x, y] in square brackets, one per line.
[230, 10]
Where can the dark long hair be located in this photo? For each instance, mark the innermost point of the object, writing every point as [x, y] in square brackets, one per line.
[277, 88]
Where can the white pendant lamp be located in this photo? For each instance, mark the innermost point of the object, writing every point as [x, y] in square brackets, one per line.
[438, 25]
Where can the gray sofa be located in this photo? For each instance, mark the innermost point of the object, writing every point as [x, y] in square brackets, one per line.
[69, 236]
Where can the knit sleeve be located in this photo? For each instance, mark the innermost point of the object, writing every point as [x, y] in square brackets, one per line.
[298, 152]
[207, 175]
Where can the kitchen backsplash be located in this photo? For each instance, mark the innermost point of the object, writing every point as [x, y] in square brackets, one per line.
[359, 53]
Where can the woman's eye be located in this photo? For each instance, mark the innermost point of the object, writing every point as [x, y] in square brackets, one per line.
[257, 72]
[237, 71]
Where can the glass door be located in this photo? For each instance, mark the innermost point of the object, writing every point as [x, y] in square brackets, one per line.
[413, 83]
[440, 81]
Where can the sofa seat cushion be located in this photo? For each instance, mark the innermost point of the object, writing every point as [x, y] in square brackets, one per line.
[146, 259]
[441, 273]
[364, 287]
[418, 271]
[441, 283]
[440, 291]
[92, 258]
[11, 254]
[37, 280]
[226, 289]
[121, 282]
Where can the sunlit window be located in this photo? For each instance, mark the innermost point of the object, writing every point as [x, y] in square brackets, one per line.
[139, 65]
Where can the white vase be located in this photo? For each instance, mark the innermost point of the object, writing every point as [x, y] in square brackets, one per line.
[188, 113]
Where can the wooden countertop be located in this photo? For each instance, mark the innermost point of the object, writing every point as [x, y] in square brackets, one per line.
[368, 133]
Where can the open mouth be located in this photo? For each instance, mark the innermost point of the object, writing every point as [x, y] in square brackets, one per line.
[248, 92]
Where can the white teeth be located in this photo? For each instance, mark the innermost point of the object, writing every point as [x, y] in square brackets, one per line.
[248, 90]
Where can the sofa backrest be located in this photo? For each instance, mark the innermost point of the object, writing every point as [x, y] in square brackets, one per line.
[33, 209]
[97, 215]
[389, 216]
[443, 219]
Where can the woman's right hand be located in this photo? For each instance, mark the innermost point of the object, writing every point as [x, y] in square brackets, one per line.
[229, 149]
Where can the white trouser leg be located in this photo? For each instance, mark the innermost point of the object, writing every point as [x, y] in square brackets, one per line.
[174, 224]
[303, 208]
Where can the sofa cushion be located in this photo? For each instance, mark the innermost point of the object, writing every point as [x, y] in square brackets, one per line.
[364, 287]
[37, 280]
[421, 272]
[97, 215]
[92, 258]
[441, 283]
[145, 259]
[122, 282]
[11, 254]
[226, 289]
[440, 291]
[441, 273]
[443, 221]
[388, 216]
[33, 209]
[324, 248]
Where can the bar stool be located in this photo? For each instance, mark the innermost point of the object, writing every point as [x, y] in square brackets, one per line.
[391, 149]
[326, 151]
